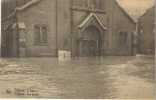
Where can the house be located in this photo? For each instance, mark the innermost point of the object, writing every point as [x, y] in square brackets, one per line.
[84, 27]
[146, 30]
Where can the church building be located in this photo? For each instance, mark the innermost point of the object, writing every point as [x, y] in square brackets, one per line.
[86, 28]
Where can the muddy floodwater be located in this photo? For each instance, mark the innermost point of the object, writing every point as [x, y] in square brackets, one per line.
[94, 78]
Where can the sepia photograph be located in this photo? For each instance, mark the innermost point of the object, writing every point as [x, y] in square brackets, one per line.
[77, 49]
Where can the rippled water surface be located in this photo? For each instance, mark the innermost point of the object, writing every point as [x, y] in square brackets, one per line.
[107, 77]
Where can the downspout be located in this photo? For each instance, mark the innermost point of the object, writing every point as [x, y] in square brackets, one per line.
[71, 27]
[56, 27]
[1, 32]
[17, 30]
[137, 37]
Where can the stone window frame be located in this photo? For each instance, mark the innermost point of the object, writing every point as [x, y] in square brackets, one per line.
[40, 39]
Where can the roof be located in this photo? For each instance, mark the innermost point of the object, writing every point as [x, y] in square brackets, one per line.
[21, 8]
[28, 4]
[148, 10]
[32, 2]
[125, 12]
[88, 18]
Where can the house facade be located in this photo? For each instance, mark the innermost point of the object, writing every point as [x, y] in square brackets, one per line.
[146, 27]
[86, 28]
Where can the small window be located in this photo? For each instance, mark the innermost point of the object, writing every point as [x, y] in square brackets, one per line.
[40, 34]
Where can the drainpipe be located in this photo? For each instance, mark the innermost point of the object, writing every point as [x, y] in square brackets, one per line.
[56, 28]
[136, 38]
[17, 30]
[71, 27]
[1, 34]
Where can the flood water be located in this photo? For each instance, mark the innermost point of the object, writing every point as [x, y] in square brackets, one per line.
[87, 78]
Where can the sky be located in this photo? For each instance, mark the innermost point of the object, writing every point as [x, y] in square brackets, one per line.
[136, 8]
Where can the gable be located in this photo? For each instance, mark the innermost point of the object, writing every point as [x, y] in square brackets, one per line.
[124, 12]
[92, 17]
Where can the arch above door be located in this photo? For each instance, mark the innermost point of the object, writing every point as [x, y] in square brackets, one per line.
[92, 19]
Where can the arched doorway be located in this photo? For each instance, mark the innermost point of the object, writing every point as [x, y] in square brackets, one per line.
[90, 42]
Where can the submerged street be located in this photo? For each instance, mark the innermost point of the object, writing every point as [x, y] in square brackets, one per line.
[107, 77]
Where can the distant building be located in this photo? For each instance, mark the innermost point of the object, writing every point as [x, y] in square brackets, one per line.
[84, 27]
[147, 32]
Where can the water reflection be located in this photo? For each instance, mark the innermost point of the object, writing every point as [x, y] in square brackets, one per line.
[105, 77]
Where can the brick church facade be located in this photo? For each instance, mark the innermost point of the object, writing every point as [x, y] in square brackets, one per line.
[83, 27]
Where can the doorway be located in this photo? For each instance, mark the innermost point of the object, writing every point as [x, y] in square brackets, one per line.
[90, 42]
